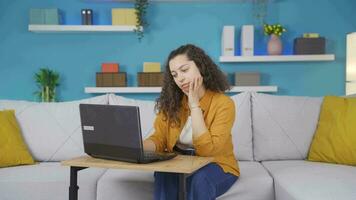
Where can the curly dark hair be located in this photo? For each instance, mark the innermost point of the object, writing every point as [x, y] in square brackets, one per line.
[170, 100]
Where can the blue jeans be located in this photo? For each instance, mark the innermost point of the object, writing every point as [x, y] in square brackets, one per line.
[207, 183]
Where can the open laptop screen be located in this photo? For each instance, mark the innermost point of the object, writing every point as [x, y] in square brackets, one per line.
[111, 131]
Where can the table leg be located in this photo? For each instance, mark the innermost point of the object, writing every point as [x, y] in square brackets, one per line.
[73, 188]
[182, 189]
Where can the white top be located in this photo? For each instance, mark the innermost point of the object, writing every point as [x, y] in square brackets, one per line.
[186, 136]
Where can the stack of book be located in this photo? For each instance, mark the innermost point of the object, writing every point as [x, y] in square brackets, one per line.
[49, 16]
[310, 43]
[124, 16]
[110, 76]
[151, 75]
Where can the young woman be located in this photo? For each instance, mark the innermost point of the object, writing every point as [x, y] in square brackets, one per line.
[194, 113]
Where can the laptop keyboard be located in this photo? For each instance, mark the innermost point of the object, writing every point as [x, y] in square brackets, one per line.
[150, 155]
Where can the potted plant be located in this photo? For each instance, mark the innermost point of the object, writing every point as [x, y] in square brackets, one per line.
[47, 80]
[141, 10]
[274, 46]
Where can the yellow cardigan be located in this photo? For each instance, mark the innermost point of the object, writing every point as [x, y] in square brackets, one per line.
[219, 115]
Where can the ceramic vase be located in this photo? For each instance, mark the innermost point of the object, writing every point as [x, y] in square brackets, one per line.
[274, 46]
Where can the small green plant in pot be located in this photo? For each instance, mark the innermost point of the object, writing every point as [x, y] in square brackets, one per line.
[47, 80]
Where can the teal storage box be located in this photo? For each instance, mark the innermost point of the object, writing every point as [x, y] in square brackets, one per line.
[52, 16]
[48, 16]
[37, 16]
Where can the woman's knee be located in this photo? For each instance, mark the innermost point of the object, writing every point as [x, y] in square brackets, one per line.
[200, 181]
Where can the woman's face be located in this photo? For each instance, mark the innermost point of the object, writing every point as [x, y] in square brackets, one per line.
[183, 71]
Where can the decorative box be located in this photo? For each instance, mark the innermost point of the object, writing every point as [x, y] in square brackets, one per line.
[111, 79]
[247, 78]
[149, 79]
[123, 16]
[110, 67]
[44, 16]
[151, 67]
[52, 16]
[309, 46]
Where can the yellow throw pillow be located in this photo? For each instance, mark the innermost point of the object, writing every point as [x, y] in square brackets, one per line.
[13, 150]
[335, 138]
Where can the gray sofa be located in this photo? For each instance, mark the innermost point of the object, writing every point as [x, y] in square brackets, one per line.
[271, 136]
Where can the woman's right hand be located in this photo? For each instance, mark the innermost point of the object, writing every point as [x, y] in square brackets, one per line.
[194, 88]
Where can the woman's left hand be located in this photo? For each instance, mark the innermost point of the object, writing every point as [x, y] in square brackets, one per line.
[194, 88]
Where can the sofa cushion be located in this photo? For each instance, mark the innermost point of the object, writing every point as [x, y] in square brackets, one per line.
[12, 146]
[312, 180]
[283, 126]
[242, 128]
[44, 181]
[51, 130]
[147, 112]
[335, 138]
[253, 184]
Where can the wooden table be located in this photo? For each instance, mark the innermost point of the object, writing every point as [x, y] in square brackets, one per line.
[181, 164]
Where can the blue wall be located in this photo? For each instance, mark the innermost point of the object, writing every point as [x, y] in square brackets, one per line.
[78, 56]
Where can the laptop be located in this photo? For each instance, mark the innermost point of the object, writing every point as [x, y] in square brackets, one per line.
[114, 132]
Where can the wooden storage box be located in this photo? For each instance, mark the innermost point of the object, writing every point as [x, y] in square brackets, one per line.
[111, 79]
[150, 79]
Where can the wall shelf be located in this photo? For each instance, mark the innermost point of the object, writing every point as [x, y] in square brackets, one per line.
[79, 28]
[178, 1]
[158, 89]
[279, 58]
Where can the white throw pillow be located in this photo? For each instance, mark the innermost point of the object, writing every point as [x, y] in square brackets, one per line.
[147, 113]
[52, 131]
[283, 126]
[242, 128]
